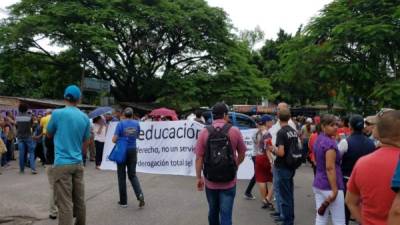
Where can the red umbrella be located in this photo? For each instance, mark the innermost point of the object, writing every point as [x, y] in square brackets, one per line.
[164, 112]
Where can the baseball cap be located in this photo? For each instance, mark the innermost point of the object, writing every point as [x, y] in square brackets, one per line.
[128, 111]
[265, 118]
[72, 93]
[309, 120]
[220, 108]
[374, 119]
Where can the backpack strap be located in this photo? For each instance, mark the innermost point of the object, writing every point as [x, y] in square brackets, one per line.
[210, 129]
[226, 128]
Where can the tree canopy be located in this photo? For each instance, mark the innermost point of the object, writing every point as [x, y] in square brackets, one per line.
[185, 54]
[349, 53]
[138, 45]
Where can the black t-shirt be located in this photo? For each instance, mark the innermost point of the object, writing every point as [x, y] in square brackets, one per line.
[287, 136]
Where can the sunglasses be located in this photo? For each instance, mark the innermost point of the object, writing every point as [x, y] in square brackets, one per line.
[383, 111]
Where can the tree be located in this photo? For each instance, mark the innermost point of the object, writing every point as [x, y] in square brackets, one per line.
[238, 83]
[251, 37]
[132, 43]
[267, 60]
[35, 75]
[350, 50]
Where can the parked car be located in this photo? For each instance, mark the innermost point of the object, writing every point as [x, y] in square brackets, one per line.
[239, 120]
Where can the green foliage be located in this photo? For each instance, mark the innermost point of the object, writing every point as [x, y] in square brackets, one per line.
[32, 75]
[240, 82]
[129, 42]
[348, 54]
[174, 52]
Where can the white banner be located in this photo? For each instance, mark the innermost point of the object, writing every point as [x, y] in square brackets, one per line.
[168, 148]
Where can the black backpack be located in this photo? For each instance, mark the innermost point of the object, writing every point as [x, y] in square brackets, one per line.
[219, 163]
[294, 156]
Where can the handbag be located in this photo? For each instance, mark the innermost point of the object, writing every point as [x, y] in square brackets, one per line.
[118, 153]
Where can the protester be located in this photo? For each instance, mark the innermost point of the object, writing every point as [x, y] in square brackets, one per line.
[6, 139]
[220, 182]
[38, 141]
[199, 117]
[328, 183]
[71, 130]
[278, 214]
[91, 145]
[99, 130]
[369, 196]
[306, 130]
[117, 114]
[24, 135]
[353, 148]
[3, 156]
[129, 129]
[370, 124]
[311, 142]
[248, 192]
[344, 130]
[10, 120]
[263, 168]
[394, 214]
[43, 124]
[53, 211]
[287, 139]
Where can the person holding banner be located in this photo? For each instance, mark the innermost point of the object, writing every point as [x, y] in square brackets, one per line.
[128, 128]
[220, 150]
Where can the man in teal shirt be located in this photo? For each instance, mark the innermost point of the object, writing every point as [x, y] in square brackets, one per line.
[71, 131]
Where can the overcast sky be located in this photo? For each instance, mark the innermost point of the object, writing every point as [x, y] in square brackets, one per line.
[270, 15]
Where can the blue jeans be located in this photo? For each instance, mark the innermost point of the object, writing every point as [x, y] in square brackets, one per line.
[26, 145]
[276, 192]
[286, 191]
[220, 203]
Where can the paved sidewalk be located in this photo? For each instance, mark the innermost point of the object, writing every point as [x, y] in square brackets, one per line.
[170, 200]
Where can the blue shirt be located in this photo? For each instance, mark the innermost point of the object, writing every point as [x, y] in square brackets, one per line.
[396, 179]
[358, 146]
[129, 129]
[70, 128]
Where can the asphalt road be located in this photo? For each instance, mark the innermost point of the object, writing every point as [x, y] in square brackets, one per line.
[170, 200]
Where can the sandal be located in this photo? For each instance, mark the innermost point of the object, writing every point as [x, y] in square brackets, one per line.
[267, 204]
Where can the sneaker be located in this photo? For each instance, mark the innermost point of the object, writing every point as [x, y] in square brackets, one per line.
[52, 217]
[275, 214]
[141, 201]
[122, 205]
[34, 172]
[249, 196]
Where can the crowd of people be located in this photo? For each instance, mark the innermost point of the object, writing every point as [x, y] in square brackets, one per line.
[343, 152]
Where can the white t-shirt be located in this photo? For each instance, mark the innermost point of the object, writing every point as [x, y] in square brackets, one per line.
[99, 132]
